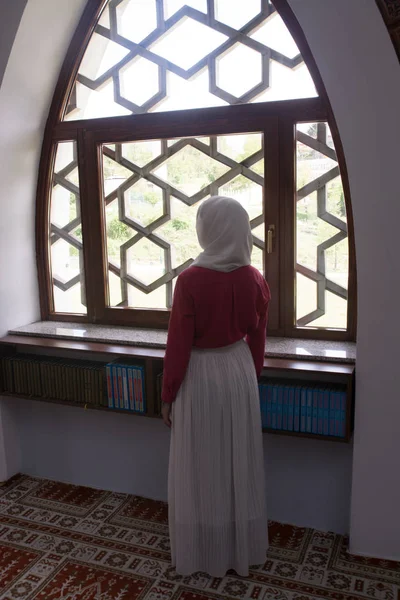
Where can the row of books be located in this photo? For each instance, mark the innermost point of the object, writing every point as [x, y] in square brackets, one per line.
[125, 387]
[72, 380]
[303, 408]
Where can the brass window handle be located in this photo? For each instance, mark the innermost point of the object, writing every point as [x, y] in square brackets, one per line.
[270, 239]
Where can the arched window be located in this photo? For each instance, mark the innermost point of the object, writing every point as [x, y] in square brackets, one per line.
[162, 103]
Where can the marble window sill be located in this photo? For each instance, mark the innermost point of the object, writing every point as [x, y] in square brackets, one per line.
[289, 348]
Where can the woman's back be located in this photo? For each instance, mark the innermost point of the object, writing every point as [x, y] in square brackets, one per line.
[227, 306]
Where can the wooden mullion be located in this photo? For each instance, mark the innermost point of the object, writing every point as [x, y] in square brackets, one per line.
[272, 218]
[287, 184]
[42, 227]
[195, 122]
[92, 226]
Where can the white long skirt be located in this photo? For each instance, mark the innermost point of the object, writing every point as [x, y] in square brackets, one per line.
[216, 487]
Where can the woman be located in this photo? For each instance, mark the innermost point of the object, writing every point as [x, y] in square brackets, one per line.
[210, 396]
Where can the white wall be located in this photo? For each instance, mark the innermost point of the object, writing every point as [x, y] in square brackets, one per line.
[25, 94]
[308, 482]
[362, 76]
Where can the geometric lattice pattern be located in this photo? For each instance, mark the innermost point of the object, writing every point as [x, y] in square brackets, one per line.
[168, 55]
[152, 192]
[66, 233]
[322, 244]
[64, 542]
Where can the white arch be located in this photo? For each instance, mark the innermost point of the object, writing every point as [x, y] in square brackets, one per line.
[362, 77]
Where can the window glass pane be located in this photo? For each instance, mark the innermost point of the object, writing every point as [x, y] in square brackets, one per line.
[143, 59]
[66, 243]
[322, 250]
[151, 201]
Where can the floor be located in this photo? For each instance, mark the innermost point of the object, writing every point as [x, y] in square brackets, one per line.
[62, 542]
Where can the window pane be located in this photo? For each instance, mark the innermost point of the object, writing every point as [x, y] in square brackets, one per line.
[321, 232]
[138, 61]
[66, 243]
[151, 201]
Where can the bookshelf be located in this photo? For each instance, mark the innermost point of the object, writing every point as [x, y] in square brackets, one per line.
[292, 372]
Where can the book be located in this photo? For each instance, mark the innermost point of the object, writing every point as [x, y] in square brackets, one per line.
[303, 410]
[291, 392]
[320, 427]
[131, 389]
[279, 407]
[315, 396]
[109, 387]
[332, 414]
[285, 407]
[297, 408]
[274, 405]
[343, 410]
[309, 418]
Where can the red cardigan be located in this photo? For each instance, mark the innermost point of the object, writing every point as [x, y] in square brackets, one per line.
[212, 309]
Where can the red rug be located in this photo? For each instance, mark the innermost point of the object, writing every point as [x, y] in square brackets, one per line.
[63, 542]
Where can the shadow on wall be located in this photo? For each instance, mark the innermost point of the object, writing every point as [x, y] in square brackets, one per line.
[390, 11]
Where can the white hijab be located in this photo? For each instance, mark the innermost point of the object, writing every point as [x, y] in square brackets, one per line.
[224, 233]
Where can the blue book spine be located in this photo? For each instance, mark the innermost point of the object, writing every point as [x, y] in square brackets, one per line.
[338, 414]
[303, 410]
[331, 412]
[125, 386]
[115, 386]
[343, 411]
[269, 406]
[315, 393]
[326, 412]
[285, 408]
[309, 410]
[320, 428]
[297, 403]
[279, 412]
[274, 408]
[261, 389]
[265, 406]
[131, 392]
[290, 408]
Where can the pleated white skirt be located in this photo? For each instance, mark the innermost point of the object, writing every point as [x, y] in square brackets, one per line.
[216, 487]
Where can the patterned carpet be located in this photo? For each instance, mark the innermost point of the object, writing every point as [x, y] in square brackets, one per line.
[61, 542]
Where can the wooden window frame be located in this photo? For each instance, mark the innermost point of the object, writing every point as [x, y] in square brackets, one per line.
[277, 120]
